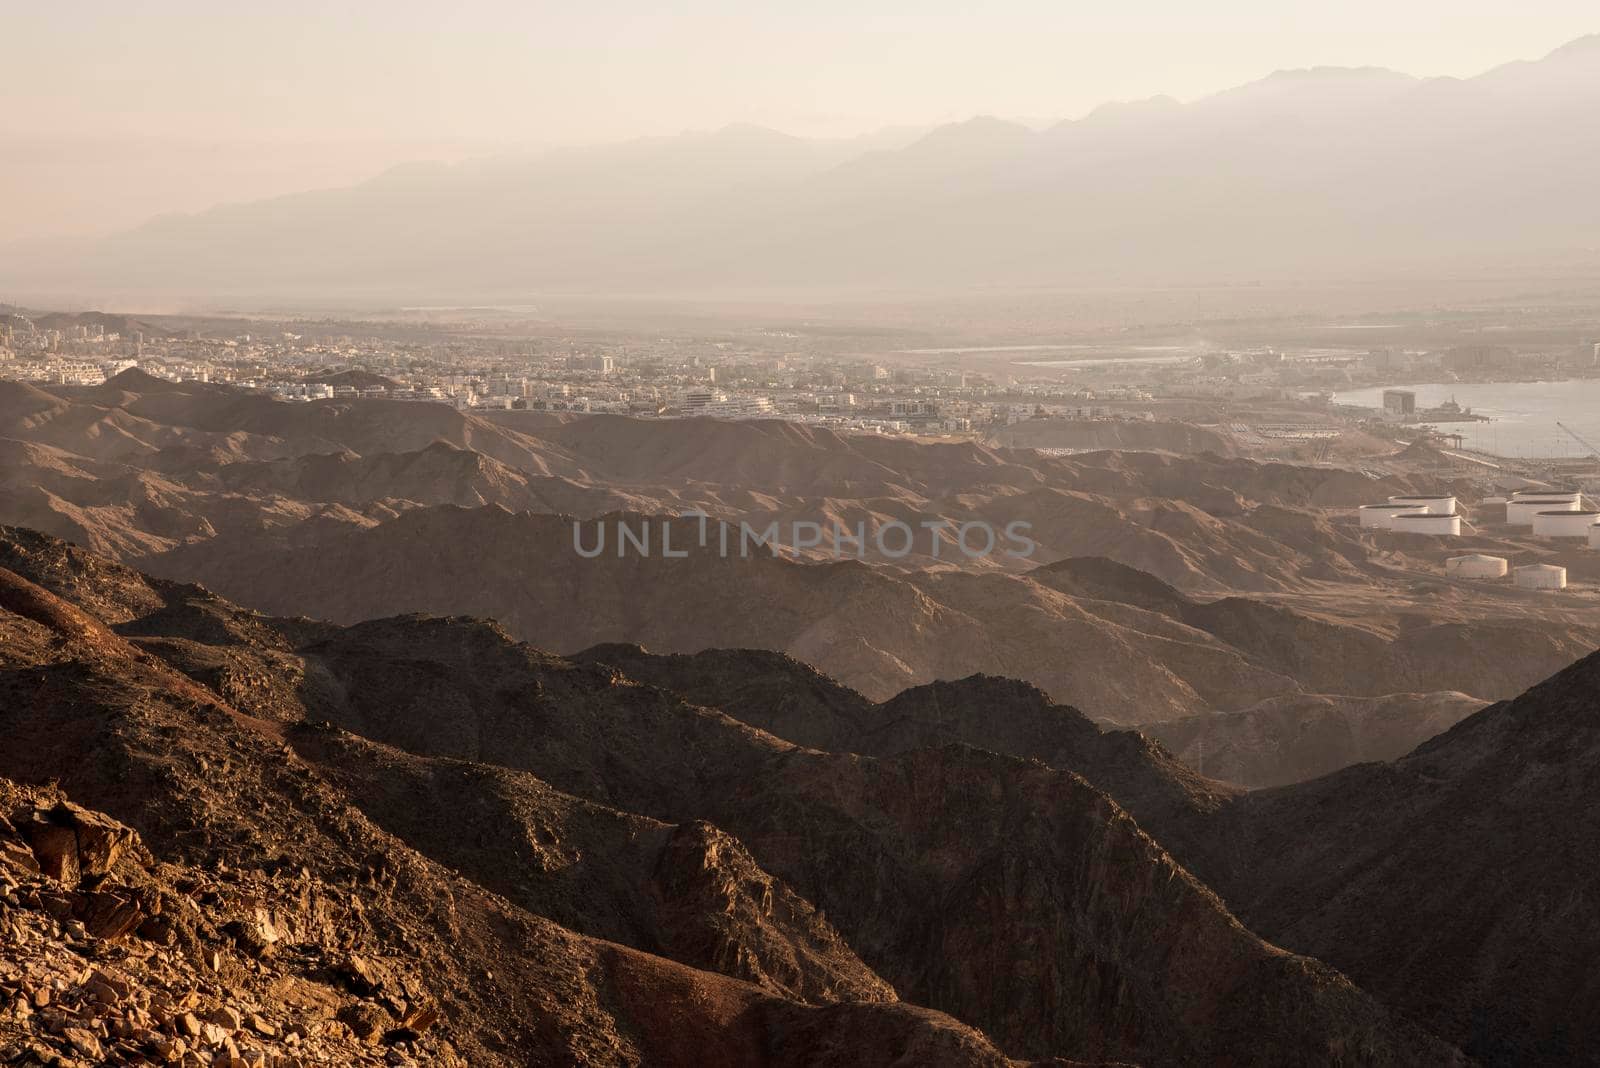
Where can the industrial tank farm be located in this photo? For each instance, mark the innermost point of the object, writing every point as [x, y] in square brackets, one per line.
[1421, 513]
[1530, 516]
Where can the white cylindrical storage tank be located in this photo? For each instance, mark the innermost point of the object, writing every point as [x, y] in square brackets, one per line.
[1436, 504]
[1476, 566]
[1381, 515]
[1542, 577]
[1427, 523]
[1521, 510]
[1564, 524]
[1547, 495]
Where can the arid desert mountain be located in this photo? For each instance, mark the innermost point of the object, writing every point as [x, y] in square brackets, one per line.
[1185, 520]
[416, 837]
[277, 900]
[1303, 736]
[1478, 844]
[1306, 172]
[1165, 589]
[1282, 740]
[875, 630]
[1119, 591]
[1445, 880]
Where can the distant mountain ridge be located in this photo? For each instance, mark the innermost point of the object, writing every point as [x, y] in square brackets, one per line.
[1305, 173]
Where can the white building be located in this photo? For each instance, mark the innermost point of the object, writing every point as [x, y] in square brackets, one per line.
[695, 399]
[738, 408]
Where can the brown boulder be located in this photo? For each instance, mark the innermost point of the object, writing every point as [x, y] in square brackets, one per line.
[361, 975]
[72, 844]
[111, 914]
[18, 857]
[420, 1018]
[366, 1021]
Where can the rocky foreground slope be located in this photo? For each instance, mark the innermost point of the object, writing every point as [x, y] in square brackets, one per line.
[417, 838]
[266, 890]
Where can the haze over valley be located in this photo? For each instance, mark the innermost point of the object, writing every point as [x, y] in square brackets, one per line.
[921, 590]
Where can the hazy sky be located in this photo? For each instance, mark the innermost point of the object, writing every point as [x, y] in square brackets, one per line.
[116, 110]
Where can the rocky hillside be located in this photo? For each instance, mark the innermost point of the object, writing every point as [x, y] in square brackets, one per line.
[1128, 647]
[1449, 878]
[420, 838]
[1281, 740]
[1453, 881]
[234, 459]
[1161, 587]
[1292, 739]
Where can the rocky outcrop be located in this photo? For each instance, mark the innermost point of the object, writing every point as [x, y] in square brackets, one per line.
[143, 969]
[73, 846]
[691, 893]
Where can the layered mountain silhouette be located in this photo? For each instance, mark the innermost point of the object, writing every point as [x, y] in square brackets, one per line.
[874, 630]
[1442, 880]
[626, 857]
[1303, 173]
[1230, 607]
[1475, 844]
[573, 867]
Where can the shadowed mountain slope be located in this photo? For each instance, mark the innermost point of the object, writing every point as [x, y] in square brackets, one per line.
[1452, 881]
[873, 629]
[1013, 894]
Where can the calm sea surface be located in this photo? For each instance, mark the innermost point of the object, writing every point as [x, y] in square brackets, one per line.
[1524, 414]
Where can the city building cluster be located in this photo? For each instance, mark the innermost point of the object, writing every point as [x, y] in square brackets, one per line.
[672, 378]
[756, 375]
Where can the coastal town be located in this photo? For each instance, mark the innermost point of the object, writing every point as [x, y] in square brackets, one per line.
[1261, 398]
[739, 536]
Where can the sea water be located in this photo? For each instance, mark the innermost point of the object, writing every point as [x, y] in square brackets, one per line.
[1523, 414]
